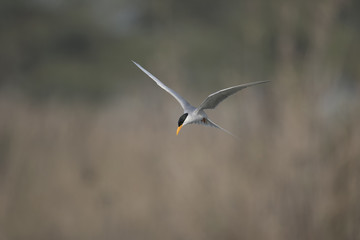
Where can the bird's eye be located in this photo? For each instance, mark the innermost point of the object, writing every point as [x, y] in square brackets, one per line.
[182, 119]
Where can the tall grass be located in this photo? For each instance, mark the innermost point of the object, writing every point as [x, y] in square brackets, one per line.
[118, 171]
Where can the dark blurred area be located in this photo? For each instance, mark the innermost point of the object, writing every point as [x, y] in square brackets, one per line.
[87, 141]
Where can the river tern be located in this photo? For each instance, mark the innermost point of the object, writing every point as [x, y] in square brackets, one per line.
[197, 115]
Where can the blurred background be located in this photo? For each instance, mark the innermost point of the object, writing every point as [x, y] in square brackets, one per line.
[88, 148]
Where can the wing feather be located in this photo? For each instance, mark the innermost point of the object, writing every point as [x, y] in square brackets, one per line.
[184, 104]
[215, 98]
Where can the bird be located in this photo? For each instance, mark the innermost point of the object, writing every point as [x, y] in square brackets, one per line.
[196, 115]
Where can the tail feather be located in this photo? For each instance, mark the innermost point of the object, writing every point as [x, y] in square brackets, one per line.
[212, 124]
[209, 123]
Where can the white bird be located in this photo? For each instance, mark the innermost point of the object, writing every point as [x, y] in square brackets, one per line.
[197, 115]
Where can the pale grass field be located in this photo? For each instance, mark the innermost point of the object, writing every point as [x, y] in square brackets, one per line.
[118, 171]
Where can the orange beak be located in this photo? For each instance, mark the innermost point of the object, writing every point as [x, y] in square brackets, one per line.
[178, 129]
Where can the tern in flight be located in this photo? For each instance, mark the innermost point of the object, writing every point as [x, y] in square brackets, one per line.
[197, 115]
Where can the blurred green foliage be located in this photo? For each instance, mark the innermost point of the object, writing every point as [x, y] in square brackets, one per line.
[83, 48]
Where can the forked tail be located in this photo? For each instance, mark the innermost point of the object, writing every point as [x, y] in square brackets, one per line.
[212, 124]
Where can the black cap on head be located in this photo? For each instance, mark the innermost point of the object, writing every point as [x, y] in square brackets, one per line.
[182, 119]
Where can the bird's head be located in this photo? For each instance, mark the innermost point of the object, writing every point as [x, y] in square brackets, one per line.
[181, 122]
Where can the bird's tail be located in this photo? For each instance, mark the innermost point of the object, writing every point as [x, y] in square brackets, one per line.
[212, 124]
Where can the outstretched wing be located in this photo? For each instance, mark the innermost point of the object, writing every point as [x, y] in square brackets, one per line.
[214, 99]
[184, 104]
